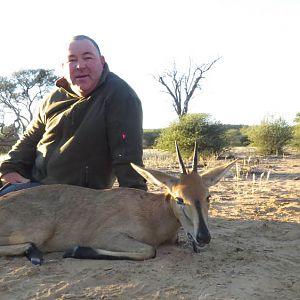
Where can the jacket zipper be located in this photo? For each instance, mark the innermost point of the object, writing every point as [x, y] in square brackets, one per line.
[86, 176]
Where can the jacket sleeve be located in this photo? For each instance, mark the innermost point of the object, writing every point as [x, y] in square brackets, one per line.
[124, 120]
[21, 157]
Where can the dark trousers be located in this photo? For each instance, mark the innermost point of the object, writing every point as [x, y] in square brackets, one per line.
[11, 187]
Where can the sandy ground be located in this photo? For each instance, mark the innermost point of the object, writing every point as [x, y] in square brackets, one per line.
[254, 252]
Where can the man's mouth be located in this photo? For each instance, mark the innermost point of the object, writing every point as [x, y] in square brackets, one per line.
[81, 76]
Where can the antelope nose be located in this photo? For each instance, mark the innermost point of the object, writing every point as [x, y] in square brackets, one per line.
[203, 238]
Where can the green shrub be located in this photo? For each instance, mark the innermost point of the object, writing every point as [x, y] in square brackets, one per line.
[271, 136]
[190, 128]
[295, 143]
[235, 138]
[149, 137]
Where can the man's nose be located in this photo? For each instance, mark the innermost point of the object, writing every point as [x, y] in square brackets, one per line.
[80, 64]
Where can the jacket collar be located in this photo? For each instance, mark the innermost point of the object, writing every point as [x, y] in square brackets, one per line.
[63, 83]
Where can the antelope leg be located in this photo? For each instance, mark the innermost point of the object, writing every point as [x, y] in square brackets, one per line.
[27, 249]
[34, 255]
[140, 251]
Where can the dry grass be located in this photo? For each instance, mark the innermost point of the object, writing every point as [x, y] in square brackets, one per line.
[257, 188]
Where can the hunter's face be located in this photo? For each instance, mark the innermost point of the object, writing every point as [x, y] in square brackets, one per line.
[83, 67]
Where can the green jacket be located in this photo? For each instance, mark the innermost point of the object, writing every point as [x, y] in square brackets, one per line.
[83, 141]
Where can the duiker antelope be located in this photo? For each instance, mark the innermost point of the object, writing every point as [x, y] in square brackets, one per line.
[119, 223]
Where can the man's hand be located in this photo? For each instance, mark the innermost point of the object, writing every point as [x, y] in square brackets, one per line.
[14, 177]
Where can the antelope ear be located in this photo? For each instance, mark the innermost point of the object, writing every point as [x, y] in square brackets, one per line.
[213, 176]
[156, 177]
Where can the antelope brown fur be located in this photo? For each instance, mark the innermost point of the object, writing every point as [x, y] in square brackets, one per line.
[120, 223]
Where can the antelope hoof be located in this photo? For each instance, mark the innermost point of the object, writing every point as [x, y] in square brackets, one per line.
[195, 247]
[34, 255]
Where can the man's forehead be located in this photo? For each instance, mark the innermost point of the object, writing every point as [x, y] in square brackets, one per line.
[81, 46]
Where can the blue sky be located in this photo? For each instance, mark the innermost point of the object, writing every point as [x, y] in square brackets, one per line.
[257, 40]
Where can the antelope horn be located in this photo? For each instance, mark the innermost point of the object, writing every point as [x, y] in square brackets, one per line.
[195, 159]
[181, 165]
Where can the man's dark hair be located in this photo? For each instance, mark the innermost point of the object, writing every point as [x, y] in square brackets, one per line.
[85, 37]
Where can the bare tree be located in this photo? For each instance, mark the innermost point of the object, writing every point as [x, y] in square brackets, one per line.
[182, 87]
[20, 93]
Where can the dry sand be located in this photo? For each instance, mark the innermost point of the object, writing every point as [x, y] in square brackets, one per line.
[254, 253]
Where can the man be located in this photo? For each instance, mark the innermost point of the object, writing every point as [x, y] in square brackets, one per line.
[87, 131]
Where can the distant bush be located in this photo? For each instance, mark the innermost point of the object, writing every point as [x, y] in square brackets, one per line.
[295, 143]
[149, 137]
[235, 138]
[271, 136]
[8, 137]
[209, 134]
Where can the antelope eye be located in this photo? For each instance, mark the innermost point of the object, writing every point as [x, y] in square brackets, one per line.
[179, 201]
[208, 198]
